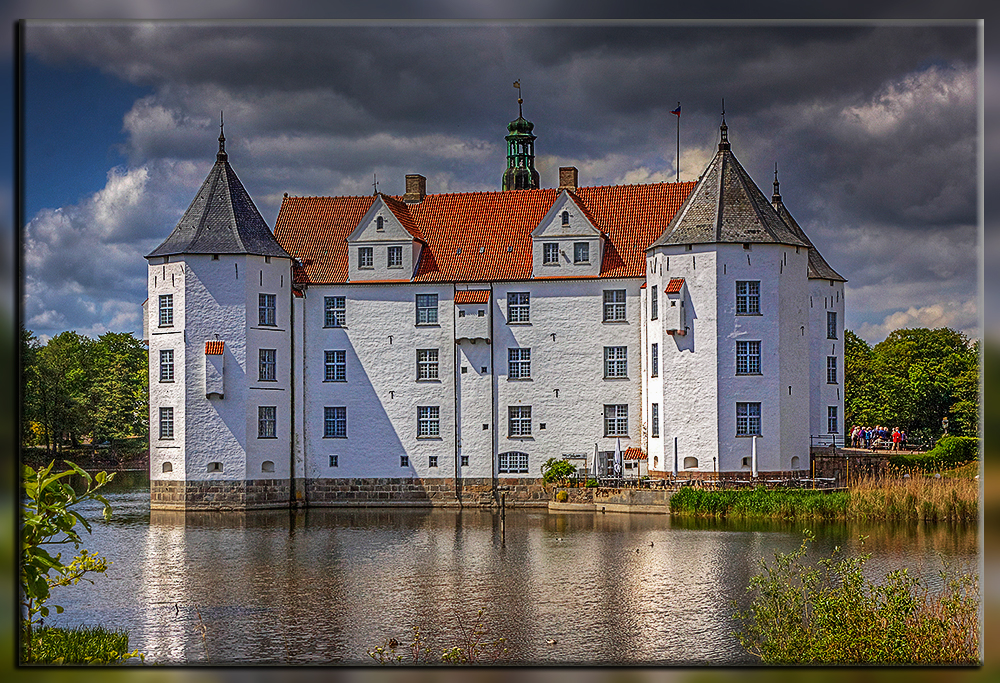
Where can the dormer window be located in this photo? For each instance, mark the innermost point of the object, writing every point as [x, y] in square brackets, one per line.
[581, 252]
[379, 224]
[550, 253]
[365, 259]
[565, 217]
[395, 257]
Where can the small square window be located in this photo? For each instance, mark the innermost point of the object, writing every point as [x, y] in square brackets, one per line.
[334, 461]
[483, 368]
[461, 314]
[465, 461]
[432, 461]
[482, 313]
[465, 369]
[486, 427]
[541, 425]
[404, 461]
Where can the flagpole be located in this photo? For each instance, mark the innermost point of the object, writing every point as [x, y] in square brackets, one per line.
[678, 142]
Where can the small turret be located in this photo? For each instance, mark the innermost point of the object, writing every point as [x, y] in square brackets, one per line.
[520, 173]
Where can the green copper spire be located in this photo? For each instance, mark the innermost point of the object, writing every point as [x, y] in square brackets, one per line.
[520, 173]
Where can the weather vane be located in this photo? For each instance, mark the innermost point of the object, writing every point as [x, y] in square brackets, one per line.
[517, 84]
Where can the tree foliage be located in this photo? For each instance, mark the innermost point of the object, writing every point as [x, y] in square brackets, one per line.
[74, 388]
[556, 469]
[912, 380]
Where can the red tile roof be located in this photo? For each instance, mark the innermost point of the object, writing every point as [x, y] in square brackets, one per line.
[634, 453]
[472, 296]
[479, 236]
[674, 286]
[214, 348]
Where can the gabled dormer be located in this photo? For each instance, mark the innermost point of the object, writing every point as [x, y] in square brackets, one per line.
[566, 243]
[386, 244]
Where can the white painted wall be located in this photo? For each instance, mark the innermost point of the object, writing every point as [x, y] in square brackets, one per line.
[824, 296]
[167, 278]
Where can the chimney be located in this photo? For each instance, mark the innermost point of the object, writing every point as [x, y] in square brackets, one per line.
[568, 176]
[416, 188]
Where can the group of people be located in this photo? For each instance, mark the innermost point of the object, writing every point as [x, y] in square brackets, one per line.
[878, 437]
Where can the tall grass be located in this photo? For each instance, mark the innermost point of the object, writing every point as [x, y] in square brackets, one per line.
[81, 645]
[760, 503]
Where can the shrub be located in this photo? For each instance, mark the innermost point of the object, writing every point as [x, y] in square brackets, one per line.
[949, 452]
[556, 469]
[830, 613]
[562, 496]
[591, 483]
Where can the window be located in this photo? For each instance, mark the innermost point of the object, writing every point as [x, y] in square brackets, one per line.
[334, 311]
[395, 257]
[517, 307]
[167, 365]
[266, 366]
[654, 360]
[166, 423]
[266, 311]
[831, 324]
[831, 419]
[428, 421]
[747, 419]
[365, 259]
[267, 421]
[404, 461]
[214, 467]
[427, 309]
[518, 363]
[747, 297]
[465, 461]
[432, 461]
[335, 366]
[334, 461]
[581, 252]
[550, 252]
[616, 420]
[654, 421]
[616, 361]
[166, 310]
[565, 217]
[519, 421]
[379, 224]
[654, 303]
[167, 467]
[512, 462]
[748, 358]
[831, 369]
[614, 305]
[267, 466]
[690, 463]
[427, 363]
[335, 422]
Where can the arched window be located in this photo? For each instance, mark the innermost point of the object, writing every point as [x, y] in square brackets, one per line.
[565, 217]
[267, 466]
[512, 462]
[215, 467]
[379, 224]
[168, 467]
[690, 463]
[795, 462]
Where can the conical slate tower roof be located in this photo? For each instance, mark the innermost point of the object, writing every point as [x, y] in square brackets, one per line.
[818, 268]
[727, 206]
[222, 219]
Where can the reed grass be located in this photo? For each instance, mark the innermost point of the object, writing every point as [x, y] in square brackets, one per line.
[80, 645]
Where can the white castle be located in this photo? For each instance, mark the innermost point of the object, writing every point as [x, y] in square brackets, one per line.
[426, 349]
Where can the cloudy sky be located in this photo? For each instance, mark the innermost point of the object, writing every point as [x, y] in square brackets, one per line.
[874, 127]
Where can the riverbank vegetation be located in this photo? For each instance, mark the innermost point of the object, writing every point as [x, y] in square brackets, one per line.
[829, 613]
[82, 645]
[901, 499]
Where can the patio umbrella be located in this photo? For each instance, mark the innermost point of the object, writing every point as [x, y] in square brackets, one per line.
[618, 457]
[675, 457]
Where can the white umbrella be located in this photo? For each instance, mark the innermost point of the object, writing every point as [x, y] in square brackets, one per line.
[597, 472]
[675, 457]
[753, 457]
[618, 457]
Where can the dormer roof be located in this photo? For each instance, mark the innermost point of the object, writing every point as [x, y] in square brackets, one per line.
[727, 206]
[222, 219]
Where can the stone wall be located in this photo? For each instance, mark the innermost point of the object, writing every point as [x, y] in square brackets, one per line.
[444, 492]
[218, 495]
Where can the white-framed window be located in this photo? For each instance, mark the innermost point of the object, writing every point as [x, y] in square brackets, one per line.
[832, 423]
[267, 365]
[616, 420]
[518, 307]
[831, 369]
[747, 419]
[654, 421]
[427, 363]
[512, 462]
[166, 310]
[267, 305]
[747, 297]
[334, 311]
[831, 324]
[616, 361]
[166, 423]
[581, 252]
[427, 309]
[654, 360]
[614, 305]
[565, 217]
[335, 422]
[365, 258]
[267, 422]
[518, 363]
[379, 224]
[519, 421]
[550, 252]
[335, 365]
[394, 257]
[428, 421]
[654, 303]
[748, 358]
[166, 365]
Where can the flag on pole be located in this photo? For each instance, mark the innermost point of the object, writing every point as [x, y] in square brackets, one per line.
[517, 84]
[678, 110]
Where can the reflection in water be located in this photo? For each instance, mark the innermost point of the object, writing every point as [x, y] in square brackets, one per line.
[325, 585]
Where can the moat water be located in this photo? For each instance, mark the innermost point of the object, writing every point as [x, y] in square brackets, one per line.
[323, 586]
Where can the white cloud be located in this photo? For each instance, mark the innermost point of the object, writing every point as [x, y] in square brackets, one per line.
[961, 316]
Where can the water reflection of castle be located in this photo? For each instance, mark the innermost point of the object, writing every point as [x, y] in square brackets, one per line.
[423, 348]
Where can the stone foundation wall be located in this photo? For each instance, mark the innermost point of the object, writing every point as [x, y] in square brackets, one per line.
[219, 495]
[742, 475]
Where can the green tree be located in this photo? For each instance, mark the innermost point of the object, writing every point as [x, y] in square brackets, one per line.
[556, 469]
[64, 379]
[861, 394]
[119, 389]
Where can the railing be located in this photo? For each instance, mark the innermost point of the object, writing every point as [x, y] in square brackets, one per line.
[826, 440]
